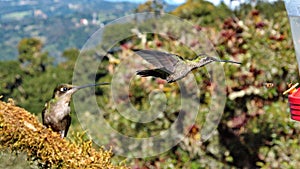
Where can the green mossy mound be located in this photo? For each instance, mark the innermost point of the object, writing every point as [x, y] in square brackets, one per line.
[20, 131]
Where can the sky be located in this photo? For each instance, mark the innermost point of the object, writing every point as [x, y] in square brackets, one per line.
[177, 2]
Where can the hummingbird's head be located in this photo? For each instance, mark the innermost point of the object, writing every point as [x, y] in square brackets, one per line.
[64, 90]
[208, 59]
[67, 89]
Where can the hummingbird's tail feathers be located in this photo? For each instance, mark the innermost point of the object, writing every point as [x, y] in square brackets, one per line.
[153, 72]
[136, 50]
[145, 73]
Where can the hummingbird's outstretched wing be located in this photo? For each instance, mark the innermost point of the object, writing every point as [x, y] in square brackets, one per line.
[159, 59]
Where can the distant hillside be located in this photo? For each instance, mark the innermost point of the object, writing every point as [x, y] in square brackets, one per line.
[61, 24]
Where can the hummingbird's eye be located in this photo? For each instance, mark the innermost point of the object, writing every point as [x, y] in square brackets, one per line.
[63, 89]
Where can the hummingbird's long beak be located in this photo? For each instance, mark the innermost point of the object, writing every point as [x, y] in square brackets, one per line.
[219, 60]
[90, 85]
[76, 88]
[230, 61]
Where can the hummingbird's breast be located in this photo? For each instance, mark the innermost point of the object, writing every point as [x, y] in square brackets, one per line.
[58, 111]
[180, 72]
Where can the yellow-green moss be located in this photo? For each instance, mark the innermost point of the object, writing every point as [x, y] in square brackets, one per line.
[21, 131]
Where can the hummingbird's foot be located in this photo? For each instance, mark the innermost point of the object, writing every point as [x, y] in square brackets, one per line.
[62, 133]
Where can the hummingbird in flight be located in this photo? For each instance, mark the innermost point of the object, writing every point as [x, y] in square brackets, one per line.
[172, 67]
[56, 114]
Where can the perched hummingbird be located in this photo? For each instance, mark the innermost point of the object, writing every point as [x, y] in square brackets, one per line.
[172, 67]
[56, 113]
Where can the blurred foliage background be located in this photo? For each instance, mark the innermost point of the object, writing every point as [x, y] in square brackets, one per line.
[255, 130]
